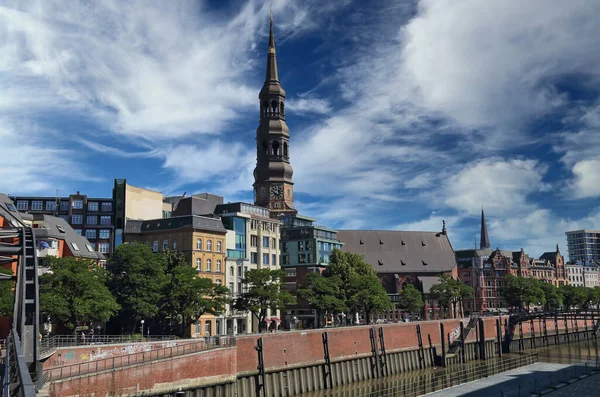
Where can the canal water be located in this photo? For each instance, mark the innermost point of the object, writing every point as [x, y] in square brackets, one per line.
[420, 382]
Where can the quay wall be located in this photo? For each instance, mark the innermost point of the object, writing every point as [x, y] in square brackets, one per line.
[293, 362]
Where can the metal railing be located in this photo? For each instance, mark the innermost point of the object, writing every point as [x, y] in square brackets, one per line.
[56, 341]
[184, 347]
[433, 382]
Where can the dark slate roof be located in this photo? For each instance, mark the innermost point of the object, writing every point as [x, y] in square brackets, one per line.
[178, 222]
[391, 251]
[474, 253]
[59, 229]
[7, 208]
[549, 256]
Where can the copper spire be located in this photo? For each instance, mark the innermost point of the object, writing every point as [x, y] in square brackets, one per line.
[485, 240]
[272, 75]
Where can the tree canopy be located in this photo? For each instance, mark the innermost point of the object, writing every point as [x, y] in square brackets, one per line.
[137, 281]
[264, 291]
[74, 292]
[324, 294]
[553, 297]
[186, 296]
[411, 300]
[574, 296]
[450, 291]
[362, 290]
[522, 292]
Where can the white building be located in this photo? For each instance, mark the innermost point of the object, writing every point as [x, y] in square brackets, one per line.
[252, 243]
[581, 275]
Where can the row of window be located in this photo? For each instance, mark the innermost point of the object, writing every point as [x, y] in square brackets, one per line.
[208, 265]
[265, 259]
[95, 233]
[266, 242]
[199, 245]
[90, 219]
[38, 205]
[101, 247]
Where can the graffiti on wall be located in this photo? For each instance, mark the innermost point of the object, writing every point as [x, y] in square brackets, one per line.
[108, 352]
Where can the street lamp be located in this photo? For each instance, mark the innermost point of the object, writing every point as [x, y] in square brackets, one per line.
[142, 328]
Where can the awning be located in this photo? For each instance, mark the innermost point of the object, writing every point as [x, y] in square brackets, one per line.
[276, 319]
[267, 320]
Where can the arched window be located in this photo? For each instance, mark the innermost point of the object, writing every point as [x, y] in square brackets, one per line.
[263, 192]
[209, 245]
[218, 266]
[282, 109]
[274, 106]
[275, 147]
[265, 147]
[198, 264]
[174, 244]
[218, 246]
[285, 149]
[208, 265]
[265, 108]
[199, 244]
[231, 271]
[165, 245]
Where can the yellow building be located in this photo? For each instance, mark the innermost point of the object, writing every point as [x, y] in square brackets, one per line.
[201, 239]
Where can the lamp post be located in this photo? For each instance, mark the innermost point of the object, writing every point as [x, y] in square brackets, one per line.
[142, 328]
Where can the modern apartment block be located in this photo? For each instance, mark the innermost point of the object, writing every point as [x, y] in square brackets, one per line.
[305, 248]
[90, 217]
[252, 243]
[583, 245]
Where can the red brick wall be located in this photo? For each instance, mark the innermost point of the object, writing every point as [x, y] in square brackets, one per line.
[191, 370]
[75, 355]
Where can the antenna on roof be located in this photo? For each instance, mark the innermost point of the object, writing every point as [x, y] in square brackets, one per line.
[177, 203]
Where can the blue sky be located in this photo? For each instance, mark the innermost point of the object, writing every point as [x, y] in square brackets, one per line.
[401, 113]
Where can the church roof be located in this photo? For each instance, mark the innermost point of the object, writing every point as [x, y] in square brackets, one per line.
[389, 251]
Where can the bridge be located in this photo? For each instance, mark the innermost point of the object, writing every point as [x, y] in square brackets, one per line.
[18, 249]
[589, 317]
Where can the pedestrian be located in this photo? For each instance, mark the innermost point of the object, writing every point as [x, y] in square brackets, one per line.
[83, 337]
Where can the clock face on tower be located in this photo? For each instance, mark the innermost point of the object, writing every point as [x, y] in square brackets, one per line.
[276, 192]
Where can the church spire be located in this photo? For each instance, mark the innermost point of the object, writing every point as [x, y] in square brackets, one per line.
[485, 240]
[272, 75]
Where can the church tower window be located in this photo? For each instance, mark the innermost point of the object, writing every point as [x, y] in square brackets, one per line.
[285, 149]
[275, 148]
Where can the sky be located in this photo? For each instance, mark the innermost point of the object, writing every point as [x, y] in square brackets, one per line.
[402, 113]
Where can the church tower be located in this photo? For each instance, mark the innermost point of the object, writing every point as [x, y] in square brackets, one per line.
[485, 240]
[273, 186]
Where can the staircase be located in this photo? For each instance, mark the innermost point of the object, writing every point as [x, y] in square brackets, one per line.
[454, 348]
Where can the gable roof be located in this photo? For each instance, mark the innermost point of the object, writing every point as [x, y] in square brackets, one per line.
[59, 229]
[390, 251]
[549, 256]
[178, 222]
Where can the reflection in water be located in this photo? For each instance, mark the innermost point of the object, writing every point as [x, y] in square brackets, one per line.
[419, 382]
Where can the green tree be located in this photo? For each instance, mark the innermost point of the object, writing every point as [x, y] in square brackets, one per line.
[411, 300]
[450, 292]
[265, 291]
[323, 294]
[7, 294]
[363, 290]
[594, 296]
[574, 296]
[552, 295]
[74, 292]
[137, 282]
[522, 292]
[186, 296]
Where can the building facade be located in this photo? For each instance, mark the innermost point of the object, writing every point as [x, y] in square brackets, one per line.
[90, 217]
[583, 245]
[401, 258]
[201, 239]
[273, 186]
[558, 263]
[252, 243]
[583, 275]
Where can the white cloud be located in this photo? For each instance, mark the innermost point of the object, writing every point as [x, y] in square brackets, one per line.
[502, 187]
[498, 63]
[587, 179]
[308, 105]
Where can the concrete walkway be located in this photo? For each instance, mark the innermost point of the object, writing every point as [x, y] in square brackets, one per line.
[518, 382]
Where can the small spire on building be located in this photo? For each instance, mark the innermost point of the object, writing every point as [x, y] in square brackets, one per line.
[272, 74]
[444, 232]
[557, 249]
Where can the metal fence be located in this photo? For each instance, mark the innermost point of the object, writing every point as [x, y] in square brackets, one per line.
[53, 342]
[183, 347]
